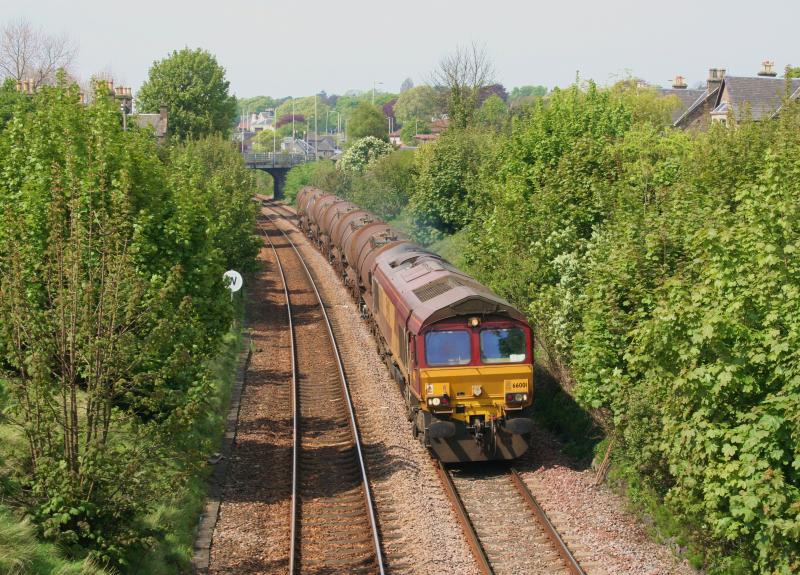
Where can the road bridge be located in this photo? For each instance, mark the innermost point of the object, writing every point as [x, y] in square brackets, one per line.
[277, 165]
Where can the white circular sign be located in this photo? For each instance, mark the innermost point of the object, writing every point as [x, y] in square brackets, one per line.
[234, 280]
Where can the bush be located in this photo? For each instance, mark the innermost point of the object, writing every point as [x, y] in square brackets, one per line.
[386, 186]
[361, 154]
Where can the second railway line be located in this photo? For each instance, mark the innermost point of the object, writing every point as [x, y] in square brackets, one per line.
[332, 518]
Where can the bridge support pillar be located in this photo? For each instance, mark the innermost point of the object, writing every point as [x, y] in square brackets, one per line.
[278, 181]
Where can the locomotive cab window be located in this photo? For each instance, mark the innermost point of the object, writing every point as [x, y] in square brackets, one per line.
[505, 345]
[448, 347]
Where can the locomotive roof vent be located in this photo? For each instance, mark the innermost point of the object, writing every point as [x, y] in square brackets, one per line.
[437, 288]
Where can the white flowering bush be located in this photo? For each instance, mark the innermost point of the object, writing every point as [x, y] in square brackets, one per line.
[362, 153]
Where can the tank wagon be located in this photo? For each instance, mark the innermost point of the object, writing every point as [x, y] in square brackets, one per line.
[462, 355]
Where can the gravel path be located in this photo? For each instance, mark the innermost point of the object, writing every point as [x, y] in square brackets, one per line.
[604, 537]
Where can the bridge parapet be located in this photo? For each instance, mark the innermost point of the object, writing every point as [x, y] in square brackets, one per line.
[262, 161]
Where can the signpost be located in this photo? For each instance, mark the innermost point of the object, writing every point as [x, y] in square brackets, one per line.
[234, 281]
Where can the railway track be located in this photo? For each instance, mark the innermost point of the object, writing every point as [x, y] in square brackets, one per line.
[507, 530]
[505, 526]
[333, 521]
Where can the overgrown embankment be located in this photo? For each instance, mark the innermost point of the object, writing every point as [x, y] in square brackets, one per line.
[115, 328]
[660, 271]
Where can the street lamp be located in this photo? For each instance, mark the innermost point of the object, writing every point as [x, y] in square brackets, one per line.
[374, 83]
[338, 120]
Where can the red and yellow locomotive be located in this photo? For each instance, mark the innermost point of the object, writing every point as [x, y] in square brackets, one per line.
[461, 355]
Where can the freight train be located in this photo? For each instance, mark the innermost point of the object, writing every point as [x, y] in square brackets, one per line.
[461, 355]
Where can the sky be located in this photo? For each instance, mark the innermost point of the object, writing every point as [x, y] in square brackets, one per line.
[295, 48]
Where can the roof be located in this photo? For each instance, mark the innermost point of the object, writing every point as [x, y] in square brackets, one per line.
[431, 289]
[706, 99]
[686, 97]
[155, 121]
[763, 96]
[721, 109]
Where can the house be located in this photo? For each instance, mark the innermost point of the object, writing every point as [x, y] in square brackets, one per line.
[685, 96]
[257, 122]
[759, 98]
[263, 121]
[394, 138]
[158, 122]
[324, 144]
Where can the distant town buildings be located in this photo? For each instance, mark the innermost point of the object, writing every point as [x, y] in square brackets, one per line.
[257, 122]
[758, 97]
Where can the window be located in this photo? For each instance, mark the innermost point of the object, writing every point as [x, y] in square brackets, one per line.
[502, 345]
[448, 347]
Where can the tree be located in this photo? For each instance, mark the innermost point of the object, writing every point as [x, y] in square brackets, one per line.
[527, 91]
[286, 120]
[407, 84]
[422, 102]
[464, 73]
[793, 71]
[306, 107]
[386, 185]
[493, 90]
[27, 53]
[10, 101]
[193, 87]
[367, 120]
[257, 104]
[493, 112]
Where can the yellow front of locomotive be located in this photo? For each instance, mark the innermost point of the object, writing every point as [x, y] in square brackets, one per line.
[476, 381]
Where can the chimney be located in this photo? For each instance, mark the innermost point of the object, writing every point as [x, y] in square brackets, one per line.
[679, 83]
[768, 69]
[715, 77]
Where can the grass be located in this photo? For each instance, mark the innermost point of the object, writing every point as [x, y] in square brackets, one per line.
[22, 554]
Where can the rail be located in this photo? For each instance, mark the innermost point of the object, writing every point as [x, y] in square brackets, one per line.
[370, 505]
[480, 553]
[552, 534]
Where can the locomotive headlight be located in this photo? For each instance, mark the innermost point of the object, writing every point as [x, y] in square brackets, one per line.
[435, 401]
[474, 321]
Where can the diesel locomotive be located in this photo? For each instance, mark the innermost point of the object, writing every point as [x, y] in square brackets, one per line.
[462, 355]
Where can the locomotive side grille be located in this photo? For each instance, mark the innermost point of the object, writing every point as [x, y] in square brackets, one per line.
[437, 288]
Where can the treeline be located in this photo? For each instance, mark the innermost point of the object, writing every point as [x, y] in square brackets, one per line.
[660, 271]
[112, 306]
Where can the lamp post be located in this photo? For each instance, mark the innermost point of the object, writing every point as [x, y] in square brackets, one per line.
[374, 83]
[338, 120]
[316, 134]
